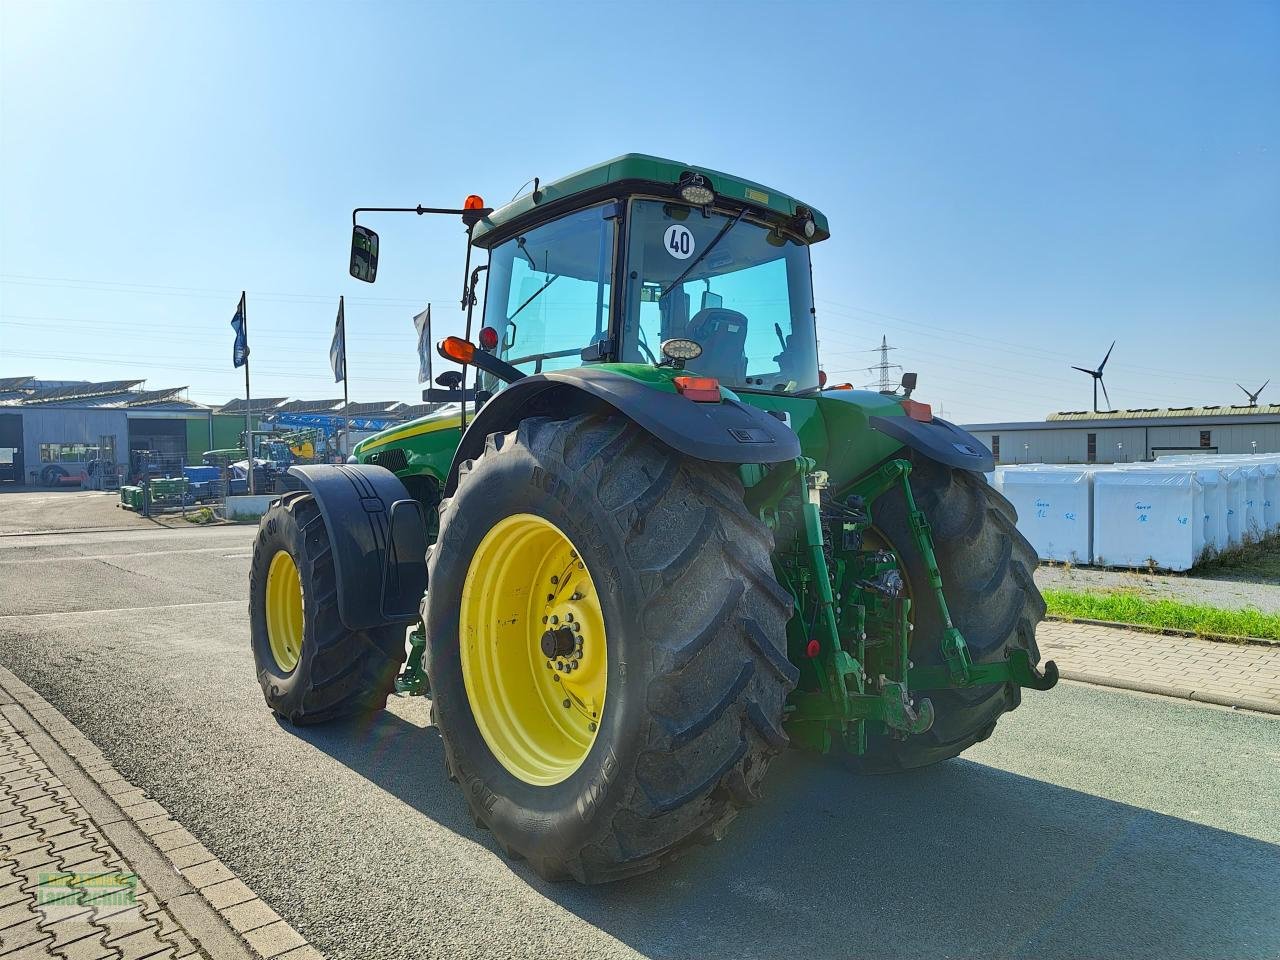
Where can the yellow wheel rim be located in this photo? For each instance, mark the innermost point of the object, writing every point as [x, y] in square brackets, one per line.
[534, 653]
[284, 611]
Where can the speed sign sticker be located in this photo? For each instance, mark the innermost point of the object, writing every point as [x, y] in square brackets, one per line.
[679, 241]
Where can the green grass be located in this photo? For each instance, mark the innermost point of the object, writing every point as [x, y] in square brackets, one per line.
[1130, 606]
[1259, 562]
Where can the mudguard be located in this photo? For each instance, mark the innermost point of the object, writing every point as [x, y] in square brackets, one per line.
[379, 542]
[939, 440]
[727, 432]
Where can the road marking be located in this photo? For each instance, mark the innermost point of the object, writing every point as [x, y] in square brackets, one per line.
[99, 612]
[122, 556]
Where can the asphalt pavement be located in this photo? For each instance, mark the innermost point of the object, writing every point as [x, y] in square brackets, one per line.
[1095, 823]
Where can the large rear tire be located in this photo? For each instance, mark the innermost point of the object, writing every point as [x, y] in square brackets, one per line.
[690, 678]
[987, 568]
[311, 667]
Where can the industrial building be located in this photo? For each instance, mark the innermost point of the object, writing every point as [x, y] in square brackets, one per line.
[1127, 436]
[56, 432]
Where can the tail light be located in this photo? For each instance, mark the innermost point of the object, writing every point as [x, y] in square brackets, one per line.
[918, 411]
[699, 389]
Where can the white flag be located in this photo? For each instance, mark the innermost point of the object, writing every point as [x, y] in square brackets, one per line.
[422, 323]
[338, 348]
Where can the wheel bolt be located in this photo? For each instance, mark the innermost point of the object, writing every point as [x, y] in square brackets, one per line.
[555, 579]
[555, 619]
[550, 664]
[560, 666]
[568, 618]
[544, 619]
[592, 726]
[565, 704]
[573, 664]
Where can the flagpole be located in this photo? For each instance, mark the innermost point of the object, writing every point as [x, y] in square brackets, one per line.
[346, 418]
[248, 404]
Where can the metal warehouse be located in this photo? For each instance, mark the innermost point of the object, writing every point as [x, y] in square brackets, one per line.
[1125, 436]
[57, 431]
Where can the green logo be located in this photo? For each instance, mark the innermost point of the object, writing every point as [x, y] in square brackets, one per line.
[87, 890]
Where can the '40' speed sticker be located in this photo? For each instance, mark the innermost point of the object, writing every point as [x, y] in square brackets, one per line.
[679, 241]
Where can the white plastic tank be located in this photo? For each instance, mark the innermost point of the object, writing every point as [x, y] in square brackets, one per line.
[1148, 517]
[1054, 505]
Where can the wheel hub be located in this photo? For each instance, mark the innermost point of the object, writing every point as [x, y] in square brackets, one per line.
[536, 687]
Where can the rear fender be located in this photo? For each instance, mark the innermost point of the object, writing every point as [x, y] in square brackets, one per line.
[938, 440]
[378, 535]
[727, 432]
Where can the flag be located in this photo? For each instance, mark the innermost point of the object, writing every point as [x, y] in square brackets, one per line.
[240, 352]
[338, 348]
[422, 323]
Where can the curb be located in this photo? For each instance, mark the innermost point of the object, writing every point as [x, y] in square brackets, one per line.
[214, 907]
[1170, 690]
[1172, 632]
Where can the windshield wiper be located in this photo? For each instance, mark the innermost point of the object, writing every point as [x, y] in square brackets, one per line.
[535, 296]
[703, 255]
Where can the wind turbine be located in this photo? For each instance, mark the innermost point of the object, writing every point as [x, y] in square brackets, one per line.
[1253, 397]
[1097, 379]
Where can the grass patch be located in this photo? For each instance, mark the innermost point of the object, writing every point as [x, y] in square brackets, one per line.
[1129, 606]
[1253, 561]
[203, 515]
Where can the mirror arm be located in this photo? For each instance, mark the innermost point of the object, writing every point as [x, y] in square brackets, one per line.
[470, 216]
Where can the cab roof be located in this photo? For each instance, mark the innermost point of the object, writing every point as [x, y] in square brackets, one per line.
[635, 171]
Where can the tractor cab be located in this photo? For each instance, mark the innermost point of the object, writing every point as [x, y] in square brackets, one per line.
[655, 260]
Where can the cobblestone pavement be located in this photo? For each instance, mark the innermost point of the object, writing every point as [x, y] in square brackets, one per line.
[65, 891]
[1242, 675]
[92, 868]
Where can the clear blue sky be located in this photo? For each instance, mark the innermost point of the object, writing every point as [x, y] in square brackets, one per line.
[1010, 186]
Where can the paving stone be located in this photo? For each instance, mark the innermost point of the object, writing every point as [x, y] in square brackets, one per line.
[249, 916]
[207, 874]
[274, 939]
[227, 894]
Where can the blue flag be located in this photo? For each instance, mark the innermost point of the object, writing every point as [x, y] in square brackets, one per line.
[240, 353]
[338, 348]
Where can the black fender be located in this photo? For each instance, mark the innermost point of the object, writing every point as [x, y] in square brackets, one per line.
[379, 540]
[727, 432]
[938, 440]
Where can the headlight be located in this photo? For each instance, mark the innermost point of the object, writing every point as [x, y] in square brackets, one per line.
[679, 349]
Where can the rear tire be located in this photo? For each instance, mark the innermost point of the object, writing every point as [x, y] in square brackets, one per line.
[338, 672]
[987, 568]
[695, 625]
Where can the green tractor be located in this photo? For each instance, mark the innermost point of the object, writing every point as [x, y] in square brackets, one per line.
[659, 548]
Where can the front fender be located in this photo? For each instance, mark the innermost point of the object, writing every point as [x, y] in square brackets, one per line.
[727, 432]
[378, 536]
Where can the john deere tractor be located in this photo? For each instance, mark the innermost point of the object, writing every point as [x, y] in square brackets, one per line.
[644, 546]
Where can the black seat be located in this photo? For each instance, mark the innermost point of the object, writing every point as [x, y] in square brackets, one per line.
[723, 336]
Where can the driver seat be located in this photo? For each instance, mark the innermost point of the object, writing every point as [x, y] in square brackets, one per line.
[723, 336]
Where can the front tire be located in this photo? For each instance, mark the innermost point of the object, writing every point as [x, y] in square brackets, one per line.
[311, 667]
[693, 669]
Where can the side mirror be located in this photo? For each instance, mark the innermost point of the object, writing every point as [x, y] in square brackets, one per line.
[711, 301]
[908, 383]
[364, 254]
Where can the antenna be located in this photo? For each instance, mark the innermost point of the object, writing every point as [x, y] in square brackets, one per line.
[1253, 396]
[883, 368]
[1097, 379]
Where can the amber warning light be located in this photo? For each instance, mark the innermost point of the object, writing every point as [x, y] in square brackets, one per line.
[473, 202]
[455, 348]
